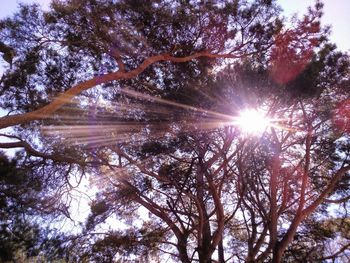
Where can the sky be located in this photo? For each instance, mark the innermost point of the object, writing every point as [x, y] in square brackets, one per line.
[336, 14]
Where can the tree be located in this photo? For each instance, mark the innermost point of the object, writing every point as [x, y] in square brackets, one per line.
[20, 200]
[163, 137]
[99, 37]
[296, 164]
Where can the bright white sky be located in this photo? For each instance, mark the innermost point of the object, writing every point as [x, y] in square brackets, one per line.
[336, 13]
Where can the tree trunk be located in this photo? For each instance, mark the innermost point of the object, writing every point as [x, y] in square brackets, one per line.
[182, 248]
[221, 252]
[277, 254]
[204, 245]
[204, 251]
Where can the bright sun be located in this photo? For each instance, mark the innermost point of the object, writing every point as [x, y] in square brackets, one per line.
[252, 121]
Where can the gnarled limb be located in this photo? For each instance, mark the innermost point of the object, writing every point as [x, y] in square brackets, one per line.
[66, 97]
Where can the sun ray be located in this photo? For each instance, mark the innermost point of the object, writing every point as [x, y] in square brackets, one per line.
[99, 123]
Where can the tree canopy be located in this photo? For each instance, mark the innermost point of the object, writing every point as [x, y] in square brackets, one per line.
[146, 100]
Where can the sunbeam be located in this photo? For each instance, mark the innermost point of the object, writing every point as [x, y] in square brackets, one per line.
[99, 124]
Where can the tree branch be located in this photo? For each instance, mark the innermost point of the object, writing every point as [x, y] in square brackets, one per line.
[66, 97]
[29, 149]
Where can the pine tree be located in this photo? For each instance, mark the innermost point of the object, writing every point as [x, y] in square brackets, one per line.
[144, 98]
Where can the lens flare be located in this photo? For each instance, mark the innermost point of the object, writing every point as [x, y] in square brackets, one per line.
[252, 121]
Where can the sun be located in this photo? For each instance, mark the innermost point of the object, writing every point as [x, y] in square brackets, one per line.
[252, 121]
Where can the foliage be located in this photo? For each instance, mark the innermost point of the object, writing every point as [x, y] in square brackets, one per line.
[143, 98]
[21, 199]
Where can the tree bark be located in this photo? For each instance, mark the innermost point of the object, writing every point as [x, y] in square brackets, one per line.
[66, 97]
[221, 252]
[277, 254]
[182, 248]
